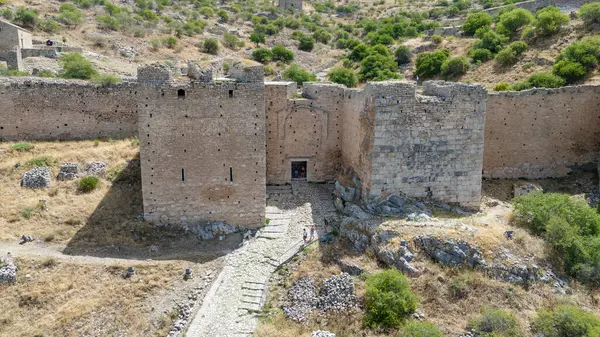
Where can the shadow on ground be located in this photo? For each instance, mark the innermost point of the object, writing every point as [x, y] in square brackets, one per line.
[116, 229]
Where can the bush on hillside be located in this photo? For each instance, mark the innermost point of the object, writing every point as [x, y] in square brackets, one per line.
[70, 15]
[491, 41]
[262, 55]
[520, 86]
[306, 43]
[430, 64]
[359, 52]
[590, 14]
[481, 55]
[76, 66]
[257, 38]
[378, 67]
[107, 79]
[437, 39]
[298, 75]
[169, 42]
[232, 42]
[502, 86]
[528, 35]
[566, 321]
[519, 47]
[585, 52]
[281, 53]
[388, 299]
[546, 80]
[211, 46]
[455, 66]
[476, 21]
[223, 15]
[343, 76]
[22, 147]
[322, 36]
[549, 20]
[87, 184]
[571, 71]
[403, 55]
[506, 57]
[421, 329]
[495, 322]
[510, 21]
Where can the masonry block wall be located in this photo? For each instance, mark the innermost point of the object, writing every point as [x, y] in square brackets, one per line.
[541, 133]
[202, 153]
[290, 4]
[303, 129]
[427, 144]
[47, 109]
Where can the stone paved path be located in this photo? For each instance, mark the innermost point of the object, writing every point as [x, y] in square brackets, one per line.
[239, 292]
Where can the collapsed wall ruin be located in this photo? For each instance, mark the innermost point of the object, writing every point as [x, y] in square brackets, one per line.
[208, 147]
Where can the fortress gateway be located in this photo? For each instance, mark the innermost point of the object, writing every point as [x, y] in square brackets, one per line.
[209, 147]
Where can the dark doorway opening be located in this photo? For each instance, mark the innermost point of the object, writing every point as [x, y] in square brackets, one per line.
[299, 170]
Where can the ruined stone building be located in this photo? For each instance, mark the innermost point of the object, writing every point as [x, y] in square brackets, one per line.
[208, 147]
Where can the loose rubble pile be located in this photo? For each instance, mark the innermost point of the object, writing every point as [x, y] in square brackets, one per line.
[186, 307]
[8, 271]
[37, 177]
[68, 171]
[96, 168]
[320, 333]
[337, 294]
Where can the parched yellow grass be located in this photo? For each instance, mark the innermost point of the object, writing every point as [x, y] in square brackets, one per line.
[66, 299]
[67, 210]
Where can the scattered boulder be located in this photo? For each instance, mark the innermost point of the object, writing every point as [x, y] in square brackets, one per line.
[450, 253]
[523, 274]
[349, 267]
[68, 171]
[358, 232]
[339, 204]
[356, 211]
[37, 177]
[525, 188]
[346, 193]
[96, 168]
[8, 270]
[320, 333]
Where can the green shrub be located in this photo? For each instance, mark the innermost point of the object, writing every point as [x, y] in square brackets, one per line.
[257, 38]
[546, 80]
[27, 17]
[566, 321]
[155, 43]
[388, 299]
[169, 42]
[430, 64]
[523, 85]
[111, 8]
[491, 41]
[41, 161]
[481, 55]
[495, 322]
[298, 75]
[586, 52]
[455, 66]
[70, 15]
[502, 86]
[519, 47]
[211, 46]
[475, 21]
[528, 35]
[22, 146]
[262, 55]
[421, 329]
[281, 53]
[590, 13]
[306, 43]
[27, 212]
[207, 11]
[359, 52]
[49, 26]
[87, 184]
[506, 57]
[437, 39]
[403, 55]
[512, 20]
[223, 15]
[378, 67]
[231, 41]
[343, 76]
[458, 288]
[76, 66]
[322, 36]
[549, 20]
[107, 79]
[569, 70]
[107, 22]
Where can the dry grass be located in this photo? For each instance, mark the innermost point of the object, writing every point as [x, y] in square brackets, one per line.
[65, 299]
[105, 215]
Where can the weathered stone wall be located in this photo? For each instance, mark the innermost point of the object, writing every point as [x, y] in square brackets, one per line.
[12, 36]
[427, 144]
[202, 151]
[541, 133]
[304, 129]
[293, 4]
[35, 108]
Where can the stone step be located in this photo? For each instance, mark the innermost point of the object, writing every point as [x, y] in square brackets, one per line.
[252, 293]
[270, 236]
[277, 216]
[250, 307]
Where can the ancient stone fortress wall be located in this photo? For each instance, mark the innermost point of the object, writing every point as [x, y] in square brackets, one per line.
[290, 4]
[427, 144]
[202, 151]
[541, 133]
[37, 108]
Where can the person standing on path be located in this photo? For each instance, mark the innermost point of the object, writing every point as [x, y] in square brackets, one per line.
[313, 231]
[325, 225]
[304, 235]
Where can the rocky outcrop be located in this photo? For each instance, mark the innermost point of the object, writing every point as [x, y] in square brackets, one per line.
[447, 252]
[211, 231]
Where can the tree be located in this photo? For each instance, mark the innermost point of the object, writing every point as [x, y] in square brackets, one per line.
[211, 46]
[388, 299]
[281, 53]
[257, 38]
[475, 21]
[590, 14]
[549, 20]
[343, 76]
[306, 43]
[455, 66]
[430, 64]
[298, 75]
[262, 55]
[378, 67]
[403, 55]
[76, 66]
